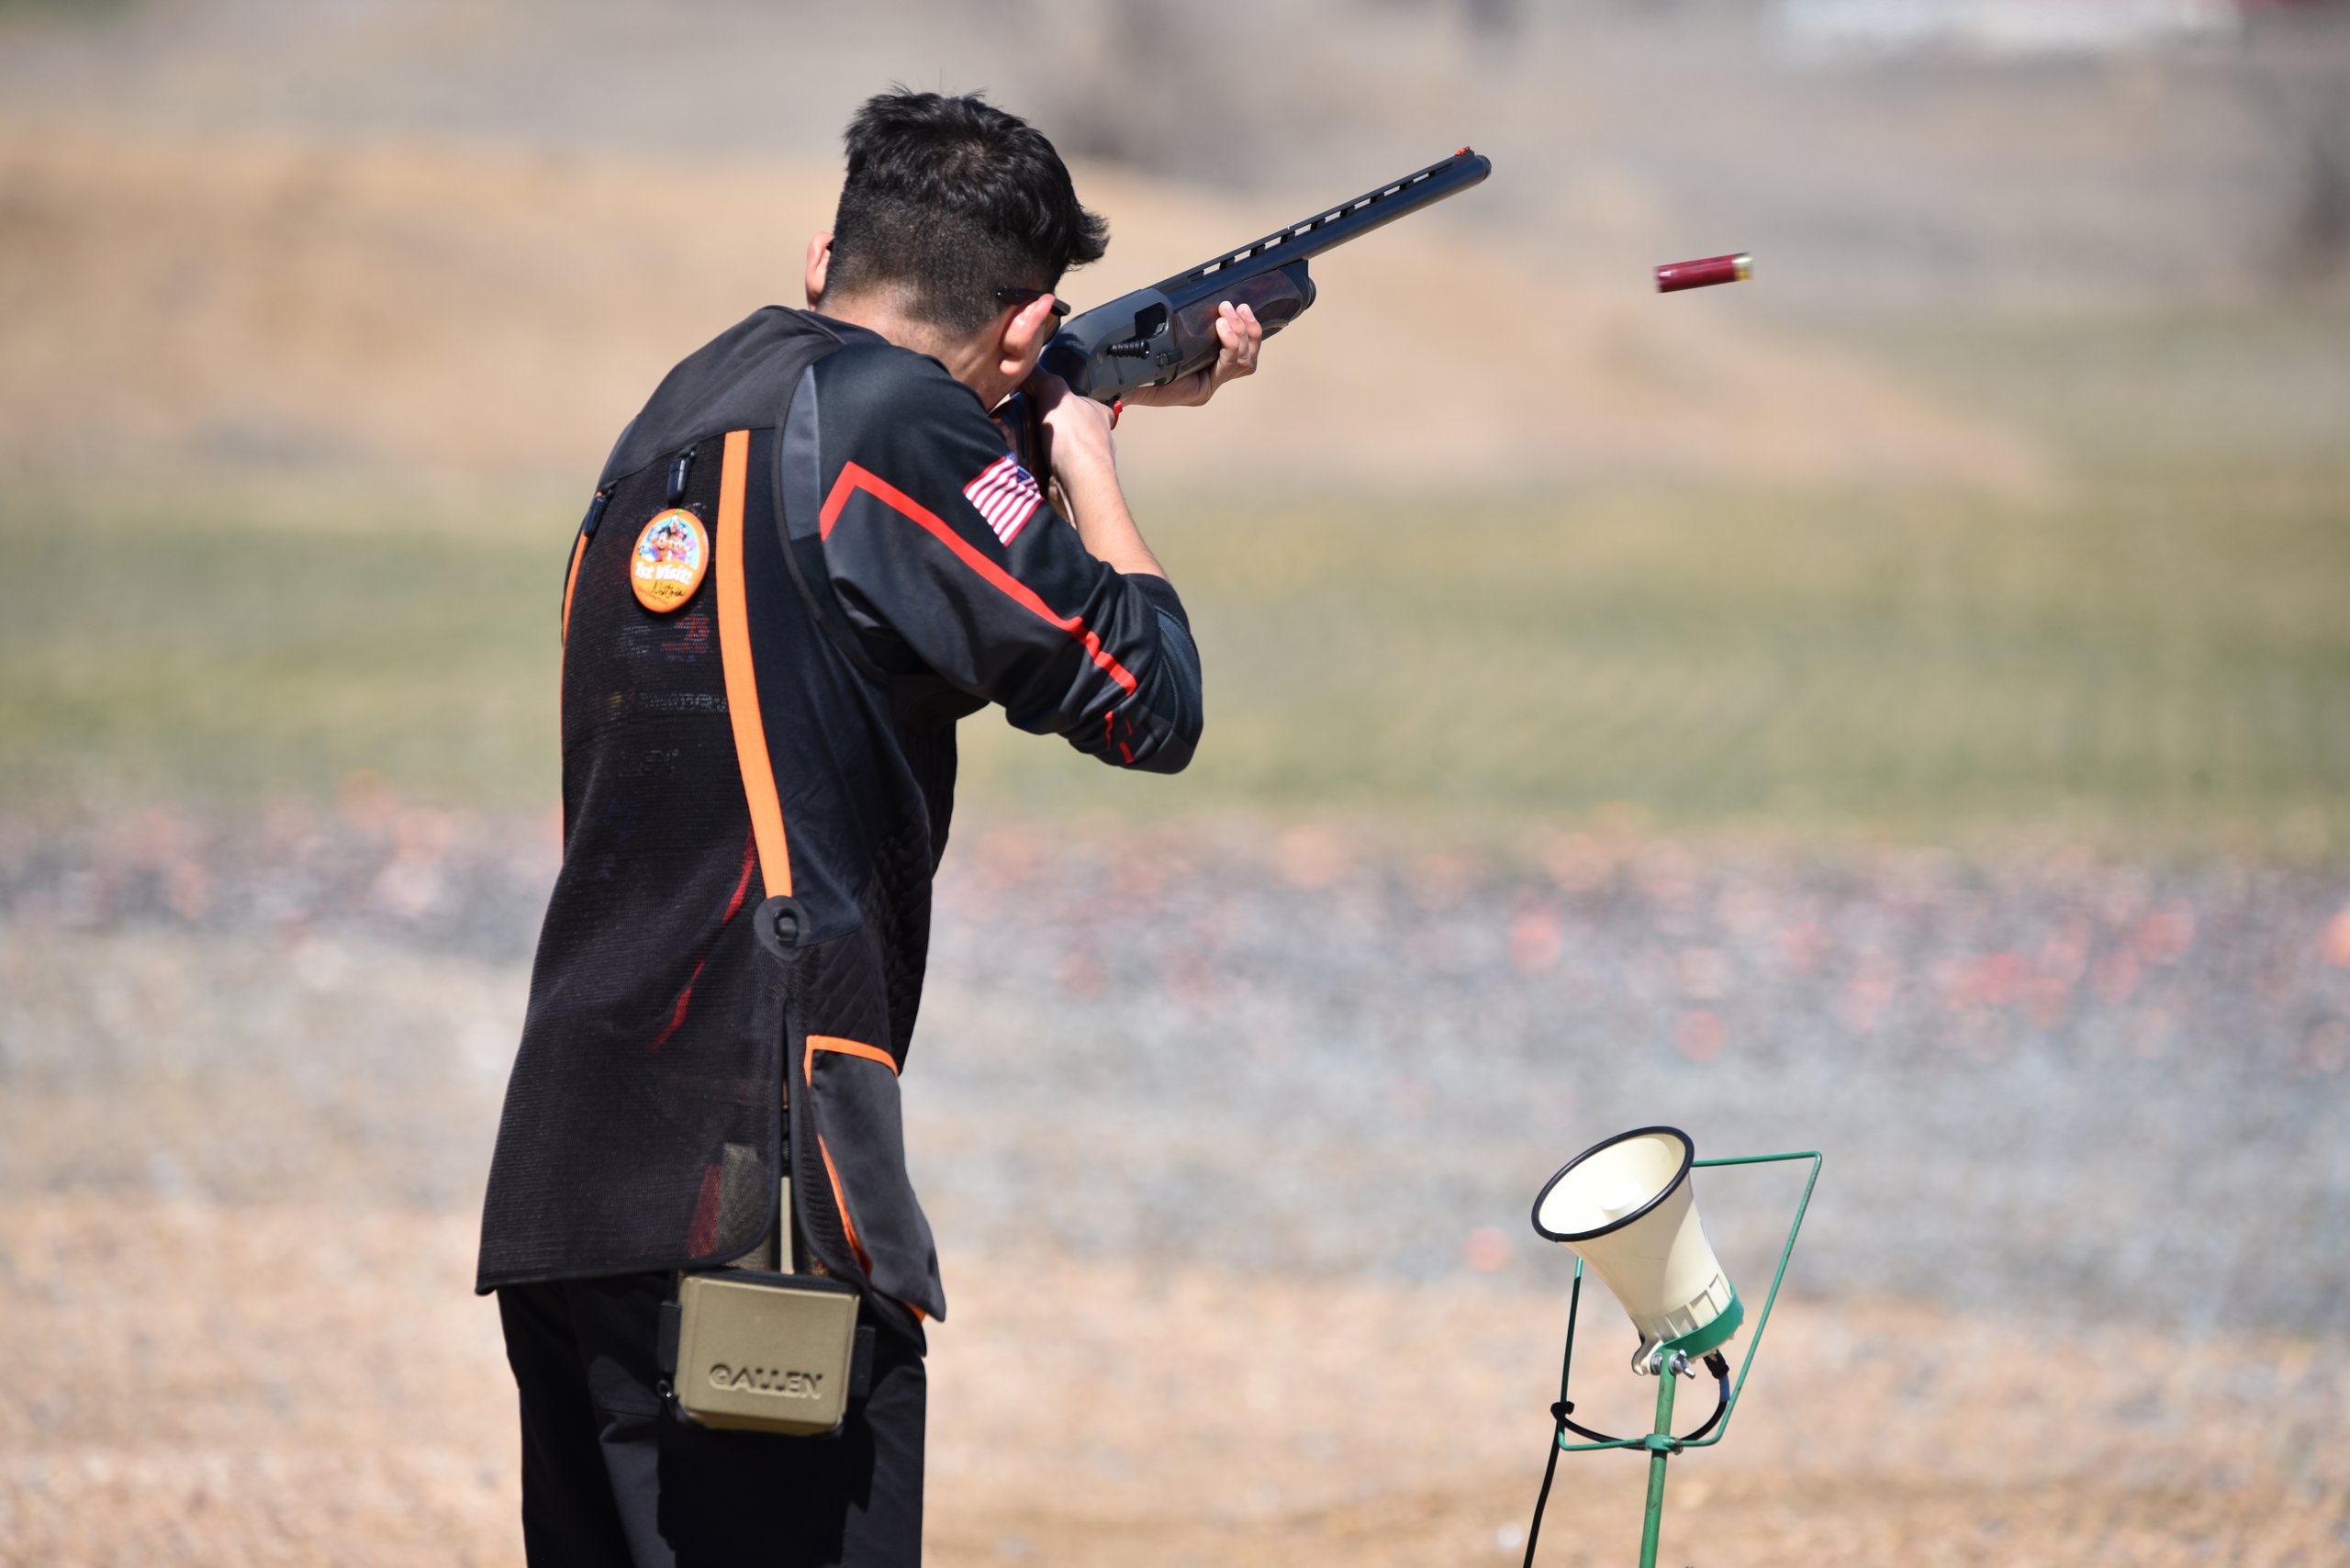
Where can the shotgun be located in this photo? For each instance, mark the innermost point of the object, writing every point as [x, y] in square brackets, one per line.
[1155, 334]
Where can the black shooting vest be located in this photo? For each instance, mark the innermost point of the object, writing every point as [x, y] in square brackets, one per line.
[751, 827]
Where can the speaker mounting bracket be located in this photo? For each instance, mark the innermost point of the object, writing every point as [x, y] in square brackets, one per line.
[1662, 1362]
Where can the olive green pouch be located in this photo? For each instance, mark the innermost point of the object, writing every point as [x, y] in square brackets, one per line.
[748, 1348]
[765, 1352]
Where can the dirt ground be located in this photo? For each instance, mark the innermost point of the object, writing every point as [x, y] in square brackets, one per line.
[290, 1385]
[249, 1093]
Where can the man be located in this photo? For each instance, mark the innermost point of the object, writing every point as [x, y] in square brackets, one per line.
[758, 742]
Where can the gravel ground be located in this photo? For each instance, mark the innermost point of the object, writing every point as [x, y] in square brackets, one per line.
[316, 1386]
[1230, 1134]
[2048, 1081]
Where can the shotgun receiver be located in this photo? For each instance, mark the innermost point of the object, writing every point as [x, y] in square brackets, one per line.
[1155, 334]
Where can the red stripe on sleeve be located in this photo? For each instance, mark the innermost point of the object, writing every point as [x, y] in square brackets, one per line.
[854, 478]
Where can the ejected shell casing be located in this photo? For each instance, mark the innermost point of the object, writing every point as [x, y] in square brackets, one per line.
[1674, 276]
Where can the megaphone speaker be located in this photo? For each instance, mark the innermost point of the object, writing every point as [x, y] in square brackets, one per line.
[1625, 1208]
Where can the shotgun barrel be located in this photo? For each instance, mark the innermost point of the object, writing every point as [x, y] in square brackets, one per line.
[1155, 334]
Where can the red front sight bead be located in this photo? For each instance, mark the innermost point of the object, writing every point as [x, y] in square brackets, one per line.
[1674, 276]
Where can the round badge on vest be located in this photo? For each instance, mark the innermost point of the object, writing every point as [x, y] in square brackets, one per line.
[672, 553]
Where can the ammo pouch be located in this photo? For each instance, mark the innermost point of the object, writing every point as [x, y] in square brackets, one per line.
[751, 1351]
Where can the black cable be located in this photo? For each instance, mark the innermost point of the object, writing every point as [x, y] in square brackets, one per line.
[1558, 1413]
[1715, 1363]
[1542, 1498]
[1721, 1404]
[1718, 1364]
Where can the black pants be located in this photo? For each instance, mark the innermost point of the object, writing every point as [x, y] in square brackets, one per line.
[611, 1478]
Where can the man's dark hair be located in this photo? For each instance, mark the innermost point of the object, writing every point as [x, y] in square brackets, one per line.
[952, 199]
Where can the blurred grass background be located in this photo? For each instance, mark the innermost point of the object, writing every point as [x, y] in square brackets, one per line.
[2154, 657]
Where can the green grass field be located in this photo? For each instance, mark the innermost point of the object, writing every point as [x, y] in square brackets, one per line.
[2160, 658]
[239, 641]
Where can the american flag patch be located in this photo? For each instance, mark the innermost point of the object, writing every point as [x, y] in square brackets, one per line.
[1005, 494]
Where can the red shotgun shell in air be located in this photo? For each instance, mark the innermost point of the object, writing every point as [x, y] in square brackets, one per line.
[1674, 276]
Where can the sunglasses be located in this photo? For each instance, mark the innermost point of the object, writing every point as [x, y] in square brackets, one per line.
[1016, 298]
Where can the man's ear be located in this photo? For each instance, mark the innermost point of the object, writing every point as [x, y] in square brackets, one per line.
[1024, 334]
[820, 266]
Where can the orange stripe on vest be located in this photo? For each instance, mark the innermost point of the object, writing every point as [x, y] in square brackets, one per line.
[742, 684]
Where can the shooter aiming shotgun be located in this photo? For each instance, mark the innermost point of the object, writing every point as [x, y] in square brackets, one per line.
[1156, 334]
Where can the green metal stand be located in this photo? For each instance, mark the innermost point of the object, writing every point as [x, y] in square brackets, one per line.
[1668, 1364]
[1653, 1520]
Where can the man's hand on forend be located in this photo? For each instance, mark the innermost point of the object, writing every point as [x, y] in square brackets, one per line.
[1238, 337]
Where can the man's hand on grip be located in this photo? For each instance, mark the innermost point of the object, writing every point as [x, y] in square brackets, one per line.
[1085, 475]
[1077, 439]
[1239, 338]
